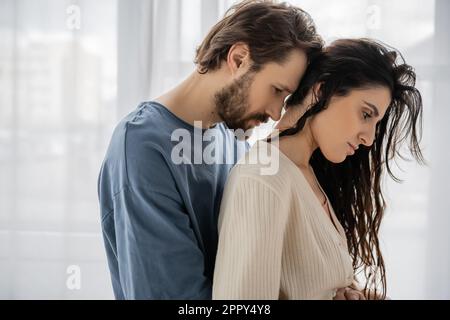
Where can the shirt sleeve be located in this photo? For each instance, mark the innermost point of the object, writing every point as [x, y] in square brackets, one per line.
[158, 254]
[252, 226]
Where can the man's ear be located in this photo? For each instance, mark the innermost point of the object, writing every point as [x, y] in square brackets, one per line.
[238, 58]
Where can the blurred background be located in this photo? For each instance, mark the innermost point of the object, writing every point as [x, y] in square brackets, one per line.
[70, 70]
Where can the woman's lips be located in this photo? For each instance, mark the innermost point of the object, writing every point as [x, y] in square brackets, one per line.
[351, 148]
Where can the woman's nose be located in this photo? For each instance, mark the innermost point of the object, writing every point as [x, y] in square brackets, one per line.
[367, 138]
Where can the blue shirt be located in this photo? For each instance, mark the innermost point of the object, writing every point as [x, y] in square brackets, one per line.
[160, 202]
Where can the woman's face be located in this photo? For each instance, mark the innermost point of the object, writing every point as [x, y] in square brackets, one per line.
[349, 121]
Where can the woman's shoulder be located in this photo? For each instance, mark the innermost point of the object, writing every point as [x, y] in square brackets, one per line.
[265, 164]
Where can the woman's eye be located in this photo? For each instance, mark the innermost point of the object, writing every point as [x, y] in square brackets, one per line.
[366, 115]
[277, 91]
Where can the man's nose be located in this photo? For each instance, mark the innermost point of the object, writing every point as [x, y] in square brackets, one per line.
[275, 112]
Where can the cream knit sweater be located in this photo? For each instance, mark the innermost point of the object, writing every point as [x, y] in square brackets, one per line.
[275, 239]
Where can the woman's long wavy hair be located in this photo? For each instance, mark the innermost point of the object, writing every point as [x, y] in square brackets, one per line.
[354, 186]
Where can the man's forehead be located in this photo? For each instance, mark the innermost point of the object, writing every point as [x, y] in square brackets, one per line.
[285, 75]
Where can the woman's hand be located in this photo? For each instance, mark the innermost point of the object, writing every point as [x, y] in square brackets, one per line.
[349, 293]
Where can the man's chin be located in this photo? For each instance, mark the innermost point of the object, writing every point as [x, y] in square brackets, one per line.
[247, 128]
[242, 131]
[244, 126]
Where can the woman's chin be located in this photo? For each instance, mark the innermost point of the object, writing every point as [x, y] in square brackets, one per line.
[336, 159]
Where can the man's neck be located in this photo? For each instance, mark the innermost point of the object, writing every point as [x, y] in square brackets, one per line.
[193, 99]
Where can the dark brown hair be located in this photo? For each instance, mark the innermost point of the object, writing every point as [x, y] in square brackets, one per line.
[271, 30]
[354, 186]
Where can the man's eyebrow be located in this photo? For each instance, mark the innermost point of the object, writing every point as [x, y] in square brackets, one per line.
[373, 107]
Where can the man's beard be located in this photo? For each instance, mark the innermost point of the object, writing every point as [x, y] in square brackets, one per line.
[232, 103]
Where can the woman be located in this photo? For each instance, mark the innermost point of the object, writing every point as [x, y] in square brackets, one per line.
[307, 231]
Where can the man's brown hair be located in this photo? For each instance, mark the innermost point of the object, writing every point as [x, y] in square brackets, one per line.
[271, 30]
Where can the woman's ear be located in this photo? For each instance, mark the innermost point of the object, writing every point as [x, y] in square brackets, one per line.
[290, 117]
[238, 59]
[295, 112]
[314, 93]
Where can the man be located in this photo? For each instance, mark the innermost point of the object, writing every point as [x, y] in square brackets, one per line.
[159, 215]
